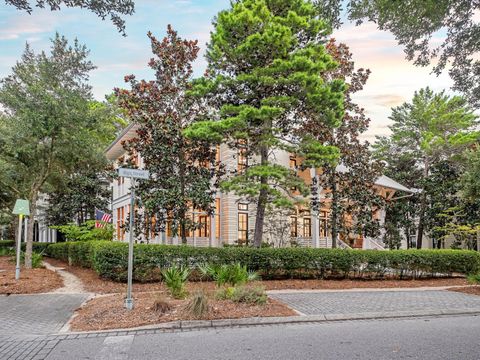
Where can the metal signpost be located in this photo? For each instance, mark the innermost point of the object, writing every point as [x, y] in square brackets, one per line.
[132, 174]
[21, 208]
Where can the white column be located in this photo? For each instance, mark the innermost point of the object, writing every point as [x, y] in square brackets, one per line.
[213, 232]
[313, 212]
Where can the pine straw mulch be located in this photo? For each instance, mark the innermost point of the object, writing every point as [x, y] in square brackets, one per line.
[107, 311]
[32, 281]
[93, 283]
[472, 290]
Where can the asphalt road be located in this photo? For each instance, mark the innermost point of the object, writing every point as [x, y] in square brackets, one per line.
[454, 337]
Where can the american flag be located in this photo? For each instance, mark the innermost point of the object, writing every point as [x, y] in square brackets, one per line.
[101, 218]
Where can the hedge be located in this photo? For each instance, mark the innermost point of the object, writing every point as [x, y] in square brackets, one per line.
[109, 260]
[7, 243]
[36, 246]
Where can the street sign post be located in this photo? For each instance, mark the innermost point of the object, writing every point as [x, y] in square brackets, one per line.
[132, 174]
[21, 208]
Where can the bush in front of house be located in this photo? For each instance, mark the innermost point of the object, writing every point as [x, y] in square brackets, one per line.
[7, 243]
[109, 260]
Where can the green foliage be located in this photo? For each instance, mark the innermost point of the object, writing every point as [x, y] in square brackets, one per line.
[232, 274]
[266, 66]
[198, 304]
[183, 173]
[102, 8]
[175, 279]
[7, 243]
[474, 279]
[6, 251]
[424, 151]
[86, 231]
[254, 295]
[109, 260]
[47, 125]
[37, 259]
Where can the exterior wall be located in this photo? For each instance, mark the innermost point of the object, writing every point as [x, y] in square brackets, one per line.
[228, 213]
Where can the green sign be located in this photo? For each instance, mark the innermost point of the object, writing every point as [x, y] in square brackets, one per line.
[22, 207]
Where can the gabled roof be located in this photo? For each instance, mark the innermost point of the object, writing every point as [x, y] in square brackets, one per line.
[383, 181]
[115, 150]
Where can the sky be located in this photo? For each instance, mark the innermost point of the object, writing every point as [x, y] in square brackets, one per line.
[392, 82]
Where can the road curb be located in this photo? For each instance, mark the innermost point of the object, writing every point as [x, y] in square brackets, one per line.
[223, 323]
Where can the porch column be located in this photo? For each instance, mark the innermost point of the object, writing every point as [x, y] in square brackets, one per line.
[213, 232]
[314, 209]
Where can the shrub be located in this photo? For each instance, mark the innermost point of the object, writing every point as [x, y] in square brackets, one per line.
[249, 295]
[175, 279]
[233, 274]
[109, 259]
[161, 305]
[198, 304]
[37, 260]
[86, 231]
[7, 243]
[5, 251]
[474, 279]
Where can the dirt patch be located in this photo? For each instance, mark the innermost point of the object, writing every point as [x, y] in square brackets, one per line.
[32, 281]
[472, 290]
[107, 312]
[93, 283]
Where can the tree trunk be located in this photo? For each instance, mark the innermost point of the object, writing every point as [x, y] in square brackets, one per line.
[261, 203]
[29, 239]
[423, 208]
[334, 208]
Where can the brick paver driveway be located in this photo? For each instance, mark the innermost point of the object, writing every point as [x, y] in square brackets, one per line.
[36, 314]
[360, 302]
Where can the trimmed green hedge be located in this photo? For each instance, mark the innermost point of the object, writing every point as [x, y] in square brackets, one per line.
[7, 243]
[109, 260]
[36, 246]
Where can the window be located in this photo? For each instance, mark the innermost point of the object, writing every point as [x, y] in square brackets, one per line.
[293, 226]
[243, 228]
[203, 226]
[307, 227]
[242, 207]
[242, 159]
[293, 163]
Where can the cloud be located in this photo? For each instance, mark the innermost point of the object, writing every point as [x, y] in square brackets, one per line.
[22, 24]
[388, 100]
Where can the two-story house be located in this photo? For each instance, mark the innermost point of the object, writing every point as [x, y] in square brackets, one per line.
[233, 220]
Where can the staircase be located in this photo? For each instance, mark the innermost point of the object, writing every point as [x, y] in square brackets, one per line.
[369, 243]
[327, 243]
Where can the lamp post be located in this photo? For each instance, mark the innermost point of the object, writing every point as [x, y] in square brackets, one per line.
[21, 208]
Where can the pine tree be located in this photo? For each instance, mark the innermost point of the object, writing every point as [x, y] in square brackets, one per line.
[264, 79]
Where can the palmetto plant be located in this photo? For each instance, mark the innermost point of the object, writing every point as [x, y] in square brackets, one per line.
[232, 274]
[175, 279]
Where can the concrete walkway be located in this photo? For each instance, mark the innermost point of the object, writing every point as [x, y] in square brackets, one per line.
[71, 283]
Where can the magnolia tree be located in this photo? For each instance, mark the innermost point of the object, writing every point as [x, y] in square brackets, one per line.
[265, 78]
[352, 195]
[184, 172]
